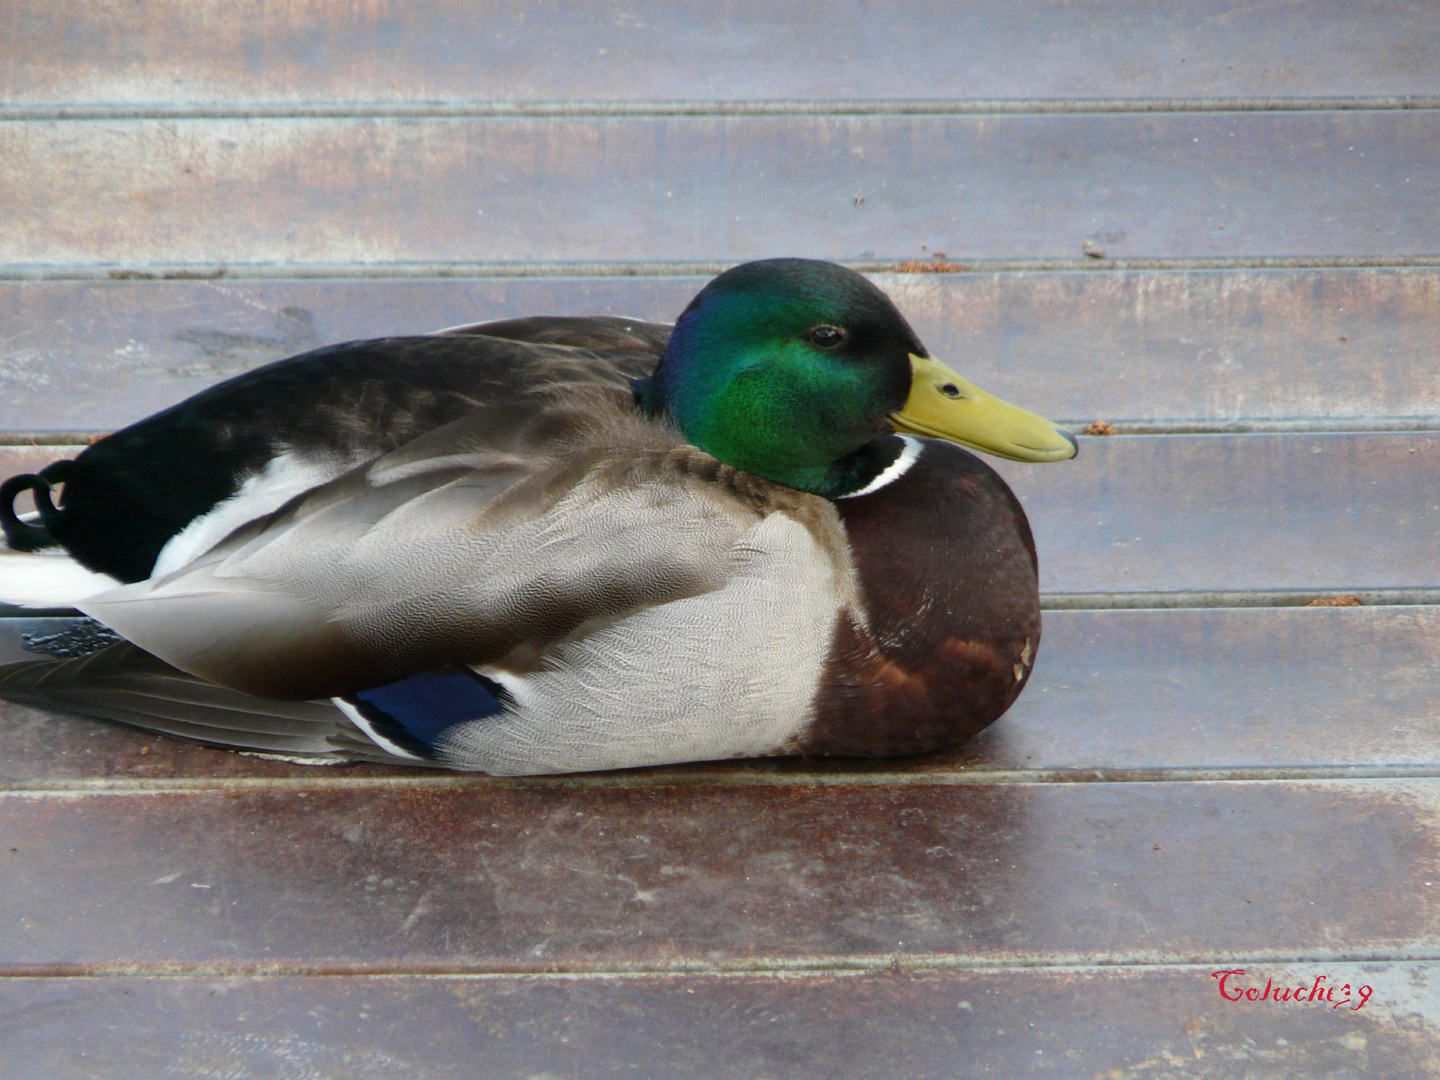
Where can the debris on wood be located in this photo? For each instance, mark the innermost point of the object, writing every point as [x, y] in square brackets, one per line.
[934, 266]
[1100, 427]
[1334, 601]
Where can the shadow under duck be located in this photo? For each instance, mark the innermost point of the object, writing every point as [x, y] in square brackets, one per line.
[559, 544]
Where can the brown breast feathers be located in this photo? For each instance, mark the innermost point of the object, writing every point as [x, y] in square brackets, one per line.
[947, 572]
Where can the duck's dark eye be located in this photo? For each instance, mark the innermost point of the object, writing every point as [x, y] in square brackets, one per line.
[825, 337]
[950, 390]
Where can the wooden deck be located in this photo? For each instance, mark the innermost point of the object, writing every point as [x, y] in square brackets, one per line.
[1212, 225]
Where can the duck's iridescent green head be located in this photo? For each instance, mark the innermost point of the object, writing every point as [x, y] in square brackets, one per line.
[794, 370]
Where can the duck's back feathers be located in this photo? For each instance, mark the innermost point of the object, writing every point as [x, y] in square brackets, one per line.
[631, 342]
[243, 447]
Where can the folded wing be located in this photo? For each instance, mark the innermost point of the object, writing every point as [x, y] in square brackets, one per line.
[479, 543]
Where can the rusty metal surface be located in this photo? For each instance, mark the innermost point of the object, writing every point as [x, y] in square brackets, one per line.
[1080, 1024]
[519, 50]
[1137, 346]
[522, 877]
[1113, 691]
[1145, 513]
[703, 188]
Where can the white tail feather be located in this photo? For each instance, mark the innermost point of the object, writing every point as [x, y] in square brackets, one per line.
[47, 580]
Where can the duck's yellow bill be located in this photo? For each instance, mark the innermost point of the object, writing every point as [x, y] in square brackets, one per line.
[945, 406]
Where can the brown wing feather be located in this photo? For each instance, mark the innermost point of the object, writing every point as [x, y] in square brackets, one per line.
[644, 342]
[127, 685]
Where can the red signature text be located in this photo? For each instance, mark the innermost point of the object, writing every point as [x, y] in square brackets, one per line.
[1316, 993]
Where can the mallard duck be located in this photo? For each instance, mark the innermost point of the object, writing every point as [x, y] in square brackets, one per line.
[564, 544]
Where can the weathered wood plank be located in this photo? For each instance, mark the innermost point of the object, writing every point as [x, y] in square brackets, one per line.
[1132, 346]
[1218, 512]
[704, 188]
[1081, 1023]
[517, 50]
[1220, 689]
[1266, 688]
[515, 877]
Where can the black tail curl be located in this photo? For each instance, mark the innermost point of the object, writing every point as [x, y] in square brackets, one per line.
[25, 535]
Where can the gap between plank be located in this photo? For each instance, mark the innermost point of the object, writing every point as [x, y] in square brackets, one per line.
[11, 616]
[432, 781]
[822, 965]
[1280, 425]
[479, 109]
[1239, 598]
[406, 271]
[1317, 425]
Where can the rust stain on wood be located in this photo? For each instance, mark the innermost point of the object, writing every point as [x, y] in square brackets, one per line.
[933, 266]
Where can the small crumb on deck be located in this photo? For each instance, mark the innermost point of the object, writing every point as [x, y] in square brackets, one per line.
[929, 266]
